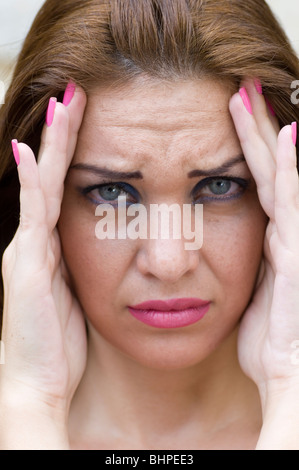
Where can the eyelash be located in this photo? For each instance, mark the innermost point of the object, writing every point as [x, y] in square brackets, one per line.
[128, 189]
[241, 182]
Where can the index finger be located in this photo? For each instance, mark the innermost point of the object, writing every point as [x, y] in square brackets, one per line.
[58, 143]
[256, 152]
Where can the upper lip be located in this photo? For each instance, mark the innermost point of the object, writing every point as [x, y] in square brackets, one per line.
[171, 304]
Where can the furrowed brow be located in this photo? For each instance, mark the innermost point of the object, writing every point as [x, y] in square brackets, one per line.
[218, 170]
[104, 172]
[98, 171]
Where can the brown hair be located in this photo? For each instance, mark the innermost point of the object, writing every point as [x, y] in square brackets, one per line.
[96, 42]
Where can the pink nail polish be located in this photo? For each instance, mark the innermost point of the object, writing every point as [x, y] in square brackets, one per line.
[294, 132]
[246, 100]
[51, 111]
[258, 86]
[270, 107]
[15, 150]
[69, 93]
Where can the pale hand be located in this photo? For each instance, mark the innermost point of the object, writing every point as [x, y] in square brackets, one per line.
[43, 326]
[270, 326]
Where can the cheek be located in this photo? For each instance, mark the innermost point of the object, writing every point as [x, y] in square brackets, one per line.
[96, 267]
[233, 249]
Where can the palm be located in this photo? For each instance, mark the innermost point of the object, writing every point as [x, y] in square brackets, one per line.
[270, 323]
[51, 356]
[267, 329]
[67, 345]
[254, 328]
[44, 328]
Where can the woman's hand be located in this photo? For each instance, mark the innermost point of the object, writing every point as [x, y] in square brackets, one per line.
[270, 326]
[43, 325]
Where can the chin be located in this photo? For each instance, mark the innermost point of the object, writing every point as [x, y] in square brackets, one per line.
[167, 351]
[170, 361]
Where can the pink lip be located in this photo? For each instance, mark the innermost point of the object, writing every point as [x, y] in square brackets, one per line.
[171, 313]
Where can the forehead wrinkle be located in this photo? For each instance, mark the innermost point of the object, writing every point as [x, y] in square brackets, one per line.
[148, 139]
[185, 149]
[161, 123]
[188, 129]
[156, 116]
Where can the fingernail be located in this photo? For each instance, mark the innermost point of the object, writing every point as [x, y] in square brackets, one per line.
[246, 100]
[69, 93]
[258, 86]
[294, 132]
[51, 111]
[272, 112]
[15, 150]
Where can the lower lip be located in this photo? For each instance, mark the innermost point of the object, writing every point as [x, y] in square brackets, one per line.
[171, 318]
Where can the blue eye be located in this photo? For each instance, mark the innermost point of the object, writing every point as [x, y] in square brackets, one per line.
[219, 189]
[109, 193]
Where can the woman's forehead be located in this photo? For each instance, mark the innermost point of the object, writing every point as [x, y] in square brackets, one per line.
[179, 122]
[194, 108]
[147, 100]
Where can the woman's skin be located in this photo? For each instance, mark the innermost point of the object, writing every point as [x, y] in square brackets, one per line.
[165, 132]
[145, 387]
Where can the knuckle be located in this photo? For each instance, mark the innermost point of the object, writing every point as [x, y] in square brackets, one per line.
[62, 116]
[25, 223]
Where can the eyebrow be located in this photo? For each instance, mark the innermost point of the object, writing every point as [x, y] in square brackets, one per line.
[96, 170]
[220, 169]
[99, 171]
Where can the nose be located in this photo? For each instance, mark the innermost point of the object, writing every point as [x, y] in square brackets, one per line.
[167, 260]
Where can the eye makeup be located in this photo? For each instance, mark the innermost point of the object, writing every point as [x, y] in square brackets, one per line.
[108, 193]
[213, 189]
[219, 189]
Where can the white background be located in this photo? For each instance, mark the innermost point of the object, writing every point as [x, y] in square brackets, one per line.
[16, 17]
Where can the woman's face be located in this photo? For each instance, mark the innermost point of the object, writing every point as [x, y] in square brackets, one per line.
[178, 144]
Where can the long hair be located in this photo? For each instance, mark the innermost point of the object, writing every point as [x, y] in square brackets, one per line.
[98, 42]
